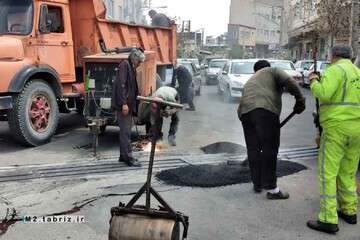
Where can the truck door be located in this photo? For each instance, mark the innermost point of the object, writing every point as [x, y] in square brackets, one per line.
[55, 45]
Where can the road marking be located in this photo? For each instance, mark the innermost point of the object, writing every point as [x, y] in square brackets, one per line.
[110, 165]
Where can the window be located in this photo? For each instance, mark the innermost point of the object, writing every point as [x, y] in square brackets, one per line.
[283, 65]
[217, 64]
[273, 33]
[266, 32]
[56, 19]
[16, 16]
[226, 68]
[242, 68]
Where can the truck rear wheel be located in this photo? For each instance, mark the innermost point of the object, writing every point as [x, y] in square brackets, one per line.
[35, 114]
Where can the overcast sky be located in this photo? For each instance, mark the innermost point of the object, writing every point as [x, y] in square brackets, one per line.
[213, 15]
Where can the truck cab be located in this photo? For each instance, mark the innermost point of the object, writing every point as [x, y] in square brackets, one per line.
[42, 46]
[37, 62]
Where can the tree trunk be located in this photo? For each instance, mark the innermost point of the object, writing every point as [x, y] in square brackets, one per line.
[332, 39]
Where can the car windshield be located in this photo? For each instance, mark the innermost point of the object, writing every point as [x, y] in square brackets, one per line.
[16, 16]
[283, 65]
[242, 68]
[324, 66]
[217, 64]
[306, 65]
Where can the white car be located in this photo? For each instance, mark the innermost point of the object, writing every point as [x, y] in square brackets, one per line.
[321, 66]
[213, 70]
[303, 65]
[289, 68]
[233, 78]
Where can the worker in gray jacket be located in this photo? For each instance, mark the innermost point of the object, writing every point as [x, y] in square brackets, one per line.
[259, 112]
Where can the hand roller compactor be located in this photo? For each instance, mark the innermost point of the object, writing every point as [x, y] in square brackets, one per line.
[138, 222]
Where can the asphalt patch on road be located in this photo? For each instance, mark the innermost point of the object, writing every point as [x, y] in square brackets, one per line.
[209, 176]
[224, 147]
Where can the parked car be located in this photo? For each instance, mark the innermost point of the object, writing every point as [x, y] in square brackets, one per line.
[214, 69]
[234, 76]
[321, 66]
[194, 61]
[303, 65]
[289, 68]
[195, 73]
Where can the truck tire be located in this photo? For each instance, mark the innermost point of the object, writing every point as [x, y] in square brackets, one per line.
[35, 114]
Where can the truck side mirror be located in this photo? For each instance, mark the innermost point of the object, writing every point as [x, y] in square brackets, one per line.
[44, 21]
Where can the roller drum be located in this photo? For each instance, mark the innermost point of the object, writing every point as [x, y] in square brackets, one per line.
[137, 227]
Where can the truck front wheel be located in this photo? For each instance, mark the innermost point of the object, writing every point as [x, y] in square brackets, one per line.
[35, 114]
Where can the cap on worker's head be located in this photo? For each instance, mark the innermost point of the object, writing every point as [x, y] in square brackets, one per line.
[137, 54]
[152, 12]
[342, 51]
[260, 65]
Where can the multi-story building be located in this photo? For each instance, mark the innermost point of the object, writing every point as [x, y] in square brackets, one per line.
[130, 11]
[114, 9]
[300, 29]
[256, 25]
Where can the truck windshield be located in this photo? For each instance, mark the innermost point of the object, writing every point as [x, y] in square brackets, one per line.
[16, 16]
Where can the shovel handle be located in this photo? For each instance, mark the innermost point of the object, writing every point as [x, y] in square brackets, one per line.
[287, 119]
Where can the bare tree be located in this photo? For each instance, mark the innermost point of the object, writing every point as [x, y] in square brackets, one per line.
[333, 18]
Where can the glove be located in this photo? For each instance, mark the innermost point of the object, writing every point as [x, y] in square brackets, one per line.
[314, 76]
[299, 106]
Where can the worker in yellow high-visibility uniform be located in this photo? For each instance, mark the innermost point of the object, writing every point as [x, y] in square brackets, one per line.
[338, 91]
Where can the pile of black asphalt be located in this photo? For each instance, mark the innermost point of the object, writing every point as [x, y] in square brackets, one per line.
[224, 147]
[209, 176]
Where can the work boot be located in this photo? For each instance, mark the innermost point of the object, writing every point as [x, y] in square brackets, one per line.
[350, 219]
[122, 159]
[171, 140]
[132, 162]
[323, 227]
[278, 196]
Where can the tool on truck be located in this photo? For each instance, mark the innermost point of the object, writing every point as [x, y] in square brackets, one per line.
[138, 222]
[42, 45]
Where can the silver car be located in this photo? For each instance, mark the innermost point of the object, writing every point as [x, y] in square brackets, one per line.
[214, 69]
[234, 76]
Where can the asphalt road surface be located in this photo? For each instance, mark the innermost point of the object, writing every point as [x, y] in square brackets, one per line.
[63, 177]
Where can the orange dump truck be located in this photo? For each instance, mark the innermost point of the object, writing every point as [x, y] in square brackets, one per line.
[43, 47]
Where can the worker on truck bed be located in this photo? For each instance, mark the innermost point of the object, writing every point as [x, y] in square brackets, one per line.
[149, 115]
[124, 102]
[338, 91]
[159, 19]
[259, 111]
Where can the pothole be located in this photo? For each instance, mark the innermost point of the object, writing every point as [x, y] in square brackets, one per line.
[208, 176]
[224, 147]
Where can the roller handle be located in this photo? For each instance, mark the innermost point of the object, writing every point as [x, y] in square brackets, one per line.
[162, 102]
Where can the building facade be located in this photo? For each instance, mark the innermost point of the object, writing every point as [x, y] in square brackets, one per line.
[130, 11]
[256, 26]
[301, 17]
